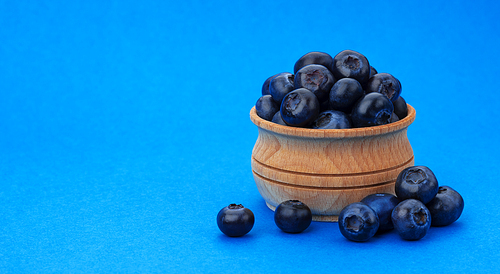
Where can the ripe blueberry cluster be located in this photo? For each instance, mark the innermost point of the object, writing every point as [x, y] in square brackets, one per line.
[291, 216]
[332, 93]
[419, 203]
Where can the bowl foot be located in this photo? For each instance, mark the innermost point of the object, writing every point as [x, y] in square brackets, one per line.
[317, 218]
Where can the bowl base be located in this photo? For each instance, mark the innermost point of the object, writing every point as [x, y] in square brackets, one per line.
[316, 218]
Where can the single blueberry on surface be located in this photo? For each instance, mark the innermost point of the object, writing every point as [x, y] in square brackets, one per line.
[411, 219]
[400, 107]
[344, 94]
[316, 78]
[235, 220]
[416, 182]
[314, 57]
[383, 204]
[292, 216]
[300, 108]
[266, 107]
[281, 85]
[358, 222]
[372, 109]
[332, 119]
[351, 64]
[446, 207]
[386, 84]
[278, 120]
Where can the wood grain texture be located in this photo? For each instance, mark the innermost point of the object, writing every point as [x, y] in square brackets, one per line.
[328, 169]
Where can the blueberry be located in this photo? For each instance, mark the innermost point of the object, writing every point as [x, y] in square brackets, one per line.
[344, 94]
[386, 84]
[292, 216]
[277, 119]
[351, 64]
[371, 110]
[446, 207]
[382, 204]
[411, 219]
[281, 85]
[316, 78]
[265, 86]
[300, 108]
[394, 118]
[266, 107]
[235, 220]
[373, 71]
[416, 182]
[358, 222]
[315, 57]
[332, 119]
[400, 107]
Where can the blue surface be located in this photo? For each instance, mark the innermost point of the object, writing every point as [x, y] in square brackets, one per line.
[124, 129]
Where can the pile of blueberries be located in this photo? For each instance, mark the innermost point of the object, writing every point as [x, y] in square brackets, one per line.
[332, 93]
[419, 203]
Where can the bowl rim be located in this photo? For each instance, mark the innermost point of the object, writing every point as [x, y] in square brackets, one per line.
[333, 133]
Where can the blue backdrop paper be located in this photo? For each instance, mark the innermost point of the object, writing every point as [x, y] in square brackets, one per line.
[124, 129]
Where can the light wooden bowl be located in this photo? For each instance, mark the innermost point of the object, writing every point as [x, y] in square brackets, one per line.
[328, 169]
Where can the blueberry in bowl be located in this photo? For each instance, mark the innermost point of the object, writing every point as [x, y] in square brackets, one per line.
[281, 85]
[411, 219]
[292, 216]
[416, 182]
[351, 64]
[372, 109]
[446, 207]
[278, 120]
[400, 107]
[344, 94]
[265, 85]
[358, 222]
[300, 108]
[332, 119]
[386, 84]
[314, 57]
[316, 78]
[235, 220]
[266, 107]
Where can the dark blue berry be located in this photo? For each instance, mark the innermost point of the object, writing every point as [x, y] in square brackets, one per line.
[266, 107]
[400, 107]
[265, 86]
[344, 94]
[446, 207]
[292, 216]
[316, 78]
[235, 220]
[382, 204]
[277, 119]
[416, 182]
[332, 119]
[372, 109]
[351, 64]
[411, 219]
[373, 71]
[300, 108]
[386, 84]
[394, 118]
[280, 86]
[315, 57]
[358, 222]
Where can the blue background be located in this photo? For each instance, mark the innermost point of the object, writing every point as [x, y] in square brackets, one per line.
[124, 129]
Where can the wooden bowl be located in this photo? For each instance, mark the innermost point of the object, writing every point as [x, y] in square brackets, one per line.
[328, 169]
